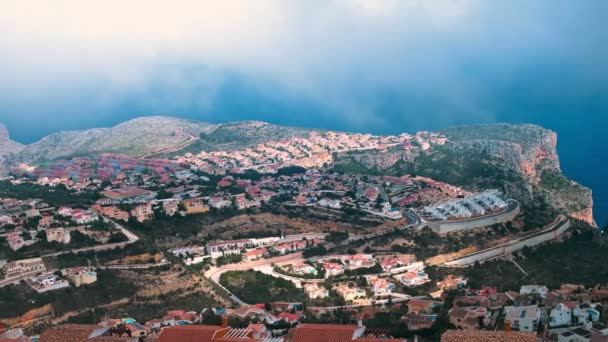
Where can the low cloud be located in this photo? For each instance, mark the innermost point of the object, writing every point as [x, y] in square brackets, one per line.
[354, 64]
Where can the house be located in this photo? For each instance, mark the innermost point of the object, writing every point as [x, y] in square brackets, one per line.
[539, 290]
[195, 206]
[467, 318]
[218, 202]
[289, 317]
[60, 235]
[64, 211]
[418, 322]
[15, 241]
[255, 254]
[113, 212]
[560, 316]
[80, 275]
[48, 282]
[450, 282]
[314, 291]
[170, 208]
[360, 260]
[6, 220]
[332, 269]
[350, 293]
[130, 194]
[45, 222]
[31, 213]
[83, 216]
[143, 212]
[9, 206]
[523, 318]
[218, 248]
[381, 286]
[17, 267]
[412, 279]
[420, 306]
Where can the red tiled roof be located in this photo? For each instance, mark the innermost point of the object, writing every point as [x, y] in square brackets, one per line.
[323, 333]
[188, 333]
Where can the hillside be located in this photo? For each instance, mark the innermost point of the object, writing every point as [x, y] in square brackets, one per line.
[240, 135]
[139, 137]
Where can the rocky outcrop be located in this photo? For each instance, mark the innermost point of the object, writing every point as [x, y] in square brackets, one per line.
[8, 149]
[8, 146]
[531, 152]
[521, 160]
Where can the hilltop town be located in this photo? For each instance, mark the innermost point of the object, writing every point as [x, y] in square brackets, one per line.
[353, 235]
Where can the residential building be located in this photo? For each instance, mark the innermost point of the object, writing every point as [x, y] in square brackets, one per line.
[81, 275]
[143, 212]
[539, 290]
[48, 282]
[467, 318]
[523, 318]
[314, 291]
[60, 235]
[129, 194]
[113, 212]
[332, 269]
[255, 254]
[170, 208]
[15, 241]
[17, 267]
[350, 293]
[195, 206]
[381, 286]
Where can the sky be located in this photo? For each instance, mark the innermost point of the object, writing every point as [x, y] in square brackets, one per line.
[380, 66]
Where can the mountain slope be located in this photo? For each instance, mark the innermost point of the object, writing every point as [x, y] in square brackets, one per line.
[138, 137]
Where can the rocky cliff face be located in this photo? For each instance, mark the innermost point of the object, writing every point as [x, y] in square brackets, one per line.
[531, 152]
[8, 148]
[521, 160]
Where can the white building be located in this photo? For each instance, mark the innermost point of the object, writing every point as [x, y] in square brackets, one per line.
[523, 318]
[539, 290]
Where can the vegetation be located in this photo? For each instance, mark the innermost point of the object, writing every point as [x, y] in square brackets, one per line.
[15, 300]
[229, 259]
[257, 287]
[574, 261]
[58, 195]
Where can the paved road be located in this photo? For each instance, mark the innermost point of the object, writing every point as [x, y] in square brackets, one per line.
[214, 273]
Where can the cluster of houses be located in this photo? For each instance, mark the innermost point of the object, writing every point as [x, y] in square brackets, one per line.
[314, 151]
[251, 249]
[36, 275]
[23, 221]
[570, 313]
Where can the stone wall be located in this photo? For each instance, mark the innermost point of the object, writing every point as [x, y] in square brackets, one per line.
[512, 246]
[449, 226]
